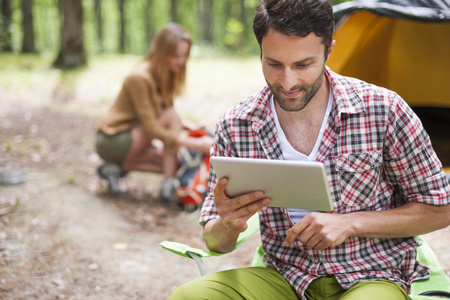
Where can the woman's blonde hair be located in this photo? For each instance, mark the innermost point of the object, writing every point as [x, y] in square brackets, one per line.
[164, 46]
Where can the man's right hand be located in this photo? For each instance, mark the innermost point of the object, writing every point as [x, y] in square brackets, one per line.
[221, 234]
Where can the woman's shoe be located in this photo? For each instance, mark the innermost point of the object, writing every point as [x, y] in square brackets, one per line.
[111, 173]
[168, 187]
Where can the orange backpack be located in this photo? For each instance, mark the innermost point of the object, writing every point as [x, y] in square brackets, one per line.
[192, 175]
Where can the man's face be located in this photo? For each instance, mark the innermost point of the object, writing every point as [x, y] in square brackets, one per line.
[293, 67]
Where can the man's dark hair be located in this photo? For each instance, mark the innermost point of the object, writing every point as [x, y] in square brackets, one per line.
[295, 17]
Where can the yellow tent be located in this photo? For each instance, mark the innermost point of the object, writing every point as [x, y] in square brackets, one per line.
[403, 48]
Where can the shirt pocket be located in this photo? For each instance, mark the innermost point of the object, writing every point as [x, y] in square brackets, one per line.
[359, 174]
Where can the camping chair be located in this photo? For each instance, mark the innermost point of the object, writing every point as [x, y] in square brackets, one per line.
[438, 285]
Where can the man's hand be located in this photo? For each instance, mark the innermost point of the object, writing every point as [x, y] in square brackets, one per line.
[234, 212]
[201, 144]
[320, 230]
[221, 234]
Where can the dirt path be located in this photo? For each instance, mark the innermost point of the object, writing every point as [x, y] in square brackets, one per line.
[68, 239]
[66, 243]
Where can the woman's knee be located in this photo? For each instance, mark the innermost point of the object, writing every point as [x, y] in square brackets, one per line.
[170, 119]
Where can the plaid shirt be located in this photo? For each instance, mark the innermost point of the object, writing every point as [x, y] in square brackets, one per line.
[377, 157]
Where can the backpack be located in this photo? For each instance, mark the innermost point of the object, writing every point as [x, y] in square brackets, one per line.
[193, 185]
[188, 187]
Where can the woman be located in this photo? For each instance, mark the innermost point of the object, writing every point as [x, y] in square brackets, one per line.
[143, 111]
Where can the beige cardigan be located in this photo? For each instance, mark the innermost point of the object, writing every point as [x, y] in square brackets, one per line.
[138, 102]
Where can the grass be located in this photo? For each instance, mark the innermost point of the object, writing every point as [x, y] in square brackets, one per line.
[214, 83]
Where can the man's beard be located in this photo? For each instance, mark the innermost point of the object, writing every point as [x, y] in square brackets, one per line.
[290, 104]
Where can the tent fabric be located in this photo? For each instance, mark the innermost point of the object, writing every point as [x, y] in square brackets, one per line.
[417, 10]
[408, 56]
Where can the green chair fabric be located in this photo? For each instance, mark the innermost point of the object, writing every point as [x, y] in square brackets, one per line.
[184, 250]
[438, 280]
[437, 286]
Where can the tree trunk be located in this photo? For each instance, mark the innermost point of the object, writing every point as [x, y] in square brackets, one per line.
[227, 12]
[243, 20]
[206, 21]
[148, 17]
[28, 30]
[71, 54]
[99, 25]
[122, 40]
[243, 15]
[5, 34]
[173, 11]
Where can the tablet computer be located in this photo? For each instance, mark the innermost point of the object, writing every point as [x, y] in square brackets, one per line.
[289, 184]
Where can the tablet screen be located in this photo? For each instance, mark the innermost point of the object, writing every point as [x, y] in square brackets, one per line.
[289, 184]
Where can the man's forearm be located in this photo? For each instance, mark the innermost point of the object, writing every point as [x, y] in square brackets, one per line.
[320, 230]
[218, 238]
[411, 219]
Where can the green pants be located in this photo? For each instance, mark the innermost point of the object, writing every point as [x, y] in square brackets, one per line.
[113, 148]
[266, 283]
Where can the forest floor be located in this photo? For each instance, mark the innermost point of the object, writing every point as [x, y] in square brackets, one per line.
[68, 238]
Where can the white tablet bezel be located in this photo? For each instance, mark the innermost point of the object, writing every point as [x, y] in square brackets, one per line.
[289, 184]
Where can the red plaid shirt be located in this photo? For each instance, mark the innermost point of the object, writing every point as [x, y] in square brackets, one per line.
[377, 157]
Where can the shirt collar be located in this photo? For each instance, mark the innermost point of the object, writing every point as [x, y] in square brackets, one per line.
[347, 100]
[256, 109]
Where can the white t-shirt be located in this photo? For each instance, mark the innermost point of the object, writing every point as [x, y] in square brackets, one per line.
[289, 153]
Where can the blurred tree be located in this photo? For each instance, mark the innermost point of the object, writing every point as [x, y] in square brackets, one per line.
[119, 26]
[99, 25]
[173, 11]
[149, 22]
[227, 16]
[71, 53]
[122, 37]
[243, 20]
[206, 22]
[28, 28]
[235, 26]
[5, 34]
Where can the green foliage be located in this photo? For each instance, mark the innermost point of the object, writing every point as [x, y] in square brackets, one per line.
[234, 33]
[143, 17]
[8, 145]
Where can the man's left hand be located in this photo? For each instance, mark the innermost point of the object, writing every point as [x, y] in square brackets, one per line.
[320, 230]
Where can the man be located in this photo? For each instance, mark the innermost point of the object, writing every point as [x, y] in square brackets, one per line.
[386, 182]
